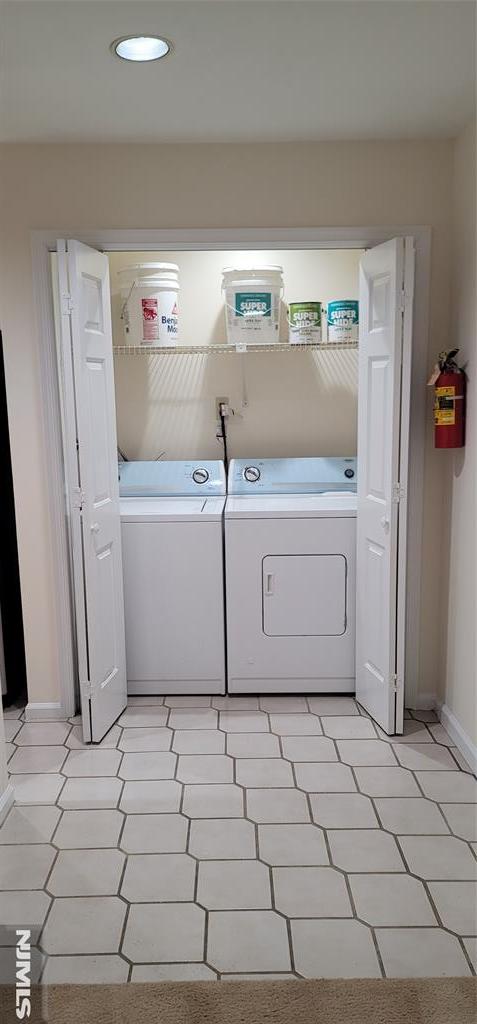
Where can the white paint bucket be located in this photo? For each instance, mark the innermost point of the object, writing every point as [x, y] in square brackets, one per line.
[343, 320]
[149, 303]
[304, 321]
[252, 304]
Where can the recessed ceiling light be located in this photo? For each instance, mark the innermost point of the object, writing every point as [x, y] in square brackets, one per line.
[141, 48]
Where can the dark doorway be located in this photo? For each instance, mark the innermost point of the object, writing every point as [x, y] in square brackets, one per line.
[10, 596]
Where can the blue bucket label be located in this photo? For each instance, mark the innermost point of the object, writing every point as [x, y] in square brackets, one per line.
[343, 313]
[343, 320]
[253, 304]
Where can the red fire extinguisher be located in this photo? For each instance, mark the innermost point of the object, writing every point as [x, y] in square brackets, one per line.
[449, 402]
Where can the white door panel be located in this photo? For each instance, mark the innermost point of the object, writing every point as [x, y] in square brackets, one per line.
[381, 521]
[97, 567]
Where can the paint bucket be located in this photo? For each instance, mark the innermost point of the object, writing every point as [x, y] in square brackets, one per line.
[304, 321]
[343, 320]
[252, 304]
[149, 301]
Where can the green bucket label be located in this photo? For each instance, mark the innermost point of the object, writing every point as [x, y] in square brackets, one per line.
[253, 304]
[305, 314]
[343, 313]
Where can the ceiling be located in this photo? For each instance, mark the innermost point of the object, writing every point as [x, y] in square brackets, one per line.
[242, 70]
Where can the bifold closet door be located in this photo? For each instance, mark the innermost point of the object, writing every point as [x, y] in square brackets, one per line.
[92, 483]
[386, 294]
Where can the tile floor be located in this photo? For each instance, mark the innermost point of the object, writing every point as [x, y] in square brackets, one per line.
[241, 837]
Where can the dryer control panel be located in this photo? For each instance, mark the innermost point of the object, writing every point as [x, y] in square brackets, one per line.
[292, 476]
[171, 479]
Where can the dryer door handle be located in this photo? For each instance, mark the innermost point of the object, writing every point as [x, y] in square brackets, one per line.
[270, 577]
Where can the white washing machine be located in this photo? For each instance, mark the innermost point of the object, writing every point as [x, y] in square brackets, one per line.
[290, 544]
[172, 546]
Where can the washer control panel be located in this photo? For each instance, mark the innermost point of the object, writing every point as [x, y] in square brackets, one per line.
[171, 479]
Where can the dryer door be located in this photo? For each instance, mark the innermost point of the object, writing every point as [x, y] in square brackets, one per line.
[304, 595]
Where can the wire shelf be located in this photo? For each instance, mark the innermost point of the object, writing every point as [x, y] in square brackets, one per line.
[228, 349]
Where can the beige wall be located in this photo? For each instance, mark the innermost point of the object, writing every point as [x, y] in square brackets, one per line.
[296, 403]
[459, 677]
[73, 188]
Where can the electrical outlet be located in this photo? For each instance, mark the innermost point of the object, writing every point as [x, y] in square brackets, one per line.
[218, 402]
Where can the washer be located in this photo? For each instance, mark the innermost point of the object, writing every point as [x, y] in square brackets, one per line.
[290, 542]
[172, 546]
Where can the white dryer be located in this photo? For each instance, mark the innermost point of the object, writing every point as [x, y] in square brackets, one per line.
[290, 543]
[172, 547]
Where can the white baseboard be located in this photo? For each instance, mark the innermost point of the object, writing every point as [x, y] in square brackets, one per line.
[53, 712]
[462, 741]
[6, 801]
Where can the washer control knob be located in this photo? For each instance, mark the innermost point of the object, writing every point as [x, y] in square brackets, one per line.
[251, 474]
[349, 473]
[200, 476]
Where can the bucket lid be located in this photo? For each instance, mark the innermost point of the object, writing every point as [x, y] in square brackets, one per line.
[155, 267]
[253, 270]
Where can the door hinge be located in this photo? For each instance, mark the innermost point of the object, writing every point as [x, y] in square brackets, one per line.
[394, 683]
[86, 688]
[406, 299]
[67, 305]
[399, 493]
[77, 498]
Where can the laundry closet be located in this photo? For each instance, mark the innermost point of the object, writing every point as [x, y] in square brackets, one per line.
[232, 471]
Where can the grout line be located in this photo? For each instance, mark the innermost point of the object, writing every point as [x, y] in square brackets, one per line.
[378, 952]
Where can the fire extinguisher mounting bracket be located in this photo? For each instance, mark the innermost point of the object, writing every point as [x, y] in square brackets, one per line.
[447, 363]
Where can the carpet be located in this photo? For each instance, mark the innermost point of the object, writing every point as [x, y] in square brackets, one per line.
[413, 1001]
